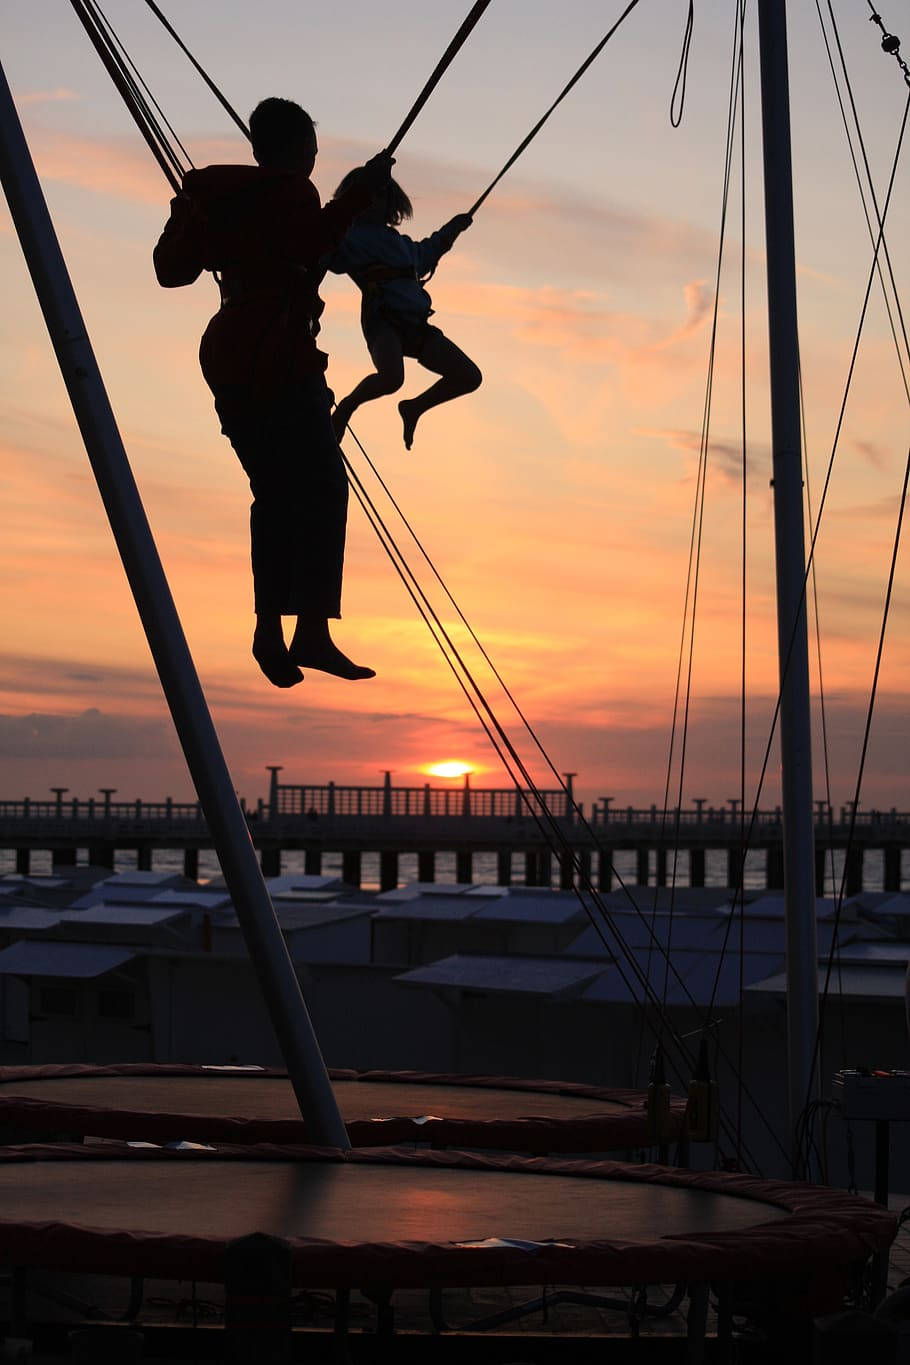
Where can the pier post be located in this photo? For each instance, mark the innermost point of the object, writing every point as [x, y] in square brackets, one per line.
[504, 867]
[661, 866]
[735, 863]
[854, 870]
[351, 867]
[566, 870]
[426, 865]
[191, 863]
[892, 854]
[388, 870]
[642, 866]
[101, 855]
[23, 861]
[143, 858]
[273, 769]
[312, 862]
[544, 867]
[822, 863]
[605, 870]
[464, 864]
[64, 857]
[584, 859]
[696, 867]
[774, 867]
[531, 873]
[270, 861]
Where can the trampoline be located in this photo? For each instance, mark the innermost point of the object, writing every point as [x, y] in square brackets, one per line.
[430, 1220]
[165, 1103]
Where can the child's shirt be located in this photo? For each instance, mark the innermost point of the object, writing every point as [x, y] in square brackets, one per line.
[374, 245]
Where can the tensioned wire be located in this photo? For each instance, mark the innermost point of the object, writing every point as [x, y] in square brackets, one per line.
[538, 810]
[835, 446]
[694, 557]
[897, 534]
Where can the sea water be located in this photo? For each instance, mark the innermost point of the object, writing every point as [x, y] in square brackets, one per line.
[484, 867]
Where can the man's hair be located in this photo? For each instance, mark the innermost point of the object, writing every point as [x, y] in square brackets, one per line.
[278, 127]
[397, 204]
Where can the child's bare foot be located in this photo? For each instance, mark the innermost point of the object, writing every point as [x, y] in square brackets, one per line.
[340, 418]
[409, 419]
[273, 658]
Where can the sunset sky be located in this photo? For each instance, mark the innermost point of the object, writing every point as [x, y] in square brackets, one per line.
[557, 501]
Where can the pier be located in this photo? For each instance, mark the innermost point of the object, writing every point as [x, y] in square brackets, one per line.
[428, 820]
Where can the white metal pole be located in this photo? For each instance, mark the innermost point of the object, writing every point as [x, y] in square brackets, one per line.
[161, 623]
[792, 637]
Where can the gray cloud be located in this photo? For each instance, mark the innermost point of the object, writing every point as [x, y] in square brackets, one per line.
[90, 734]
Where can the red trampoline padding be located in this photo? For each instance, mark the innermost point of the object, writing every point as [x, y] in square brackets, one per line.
[163, 1103]
[429, 1219]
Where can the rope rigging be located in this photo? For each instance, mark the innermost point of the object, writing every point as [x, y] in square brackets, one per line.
[132, 95]
[622, 956]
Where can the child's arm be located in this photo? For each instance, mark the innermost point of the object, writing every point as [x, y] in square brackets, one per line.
[438, 243]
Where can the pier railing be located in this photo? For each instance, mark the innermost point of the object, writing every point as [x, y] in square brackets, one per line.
[333, 801]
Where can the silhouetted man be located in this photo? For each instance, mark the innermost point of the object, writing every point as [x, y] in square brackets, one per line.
[262, 228]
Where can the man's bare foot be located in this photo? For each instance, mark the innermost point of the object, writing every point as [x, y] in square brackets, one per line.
[340, 418]
[409, 419]
[326, 657]
[273, 658]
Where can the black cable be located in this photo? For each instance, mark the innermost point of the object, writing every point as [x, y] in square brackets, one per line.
[736, 69]
[441, 67]
[555, 837]
[128, 61]
[827, 481]
[740, 889]
[592, 56]
[228, 108]
[860, 185]
[679, 85]
[162, 152]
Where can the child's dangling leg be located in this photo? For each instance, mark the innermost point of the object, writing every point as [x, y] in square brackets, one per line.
[385, 350]
[458, 375]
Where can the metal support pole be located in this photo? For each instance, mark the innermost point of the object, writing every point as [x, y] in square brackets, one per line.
[795, 719]
[164, 632]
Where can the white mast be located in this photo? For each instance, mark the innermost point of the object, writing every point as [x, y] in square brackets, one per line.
[792, 636]
[164, 632]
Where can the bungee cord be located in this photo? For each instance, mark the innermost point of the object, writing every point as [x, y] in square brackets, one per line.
[548, 826]
[526, 142]
[222, 100]
[137, 106]
[588, 895]
[439, 71]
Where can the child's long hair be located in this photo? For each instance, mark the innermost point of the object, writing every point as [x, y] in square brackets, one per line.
[397, 204]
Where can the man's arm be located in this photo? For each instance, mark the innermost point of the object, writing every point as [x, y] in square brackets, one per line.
[338, 214]
[178, 254]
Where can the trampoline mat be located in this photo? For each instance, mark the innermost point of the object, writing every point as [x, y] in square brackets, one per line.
[416, 1219]
[211, 1104]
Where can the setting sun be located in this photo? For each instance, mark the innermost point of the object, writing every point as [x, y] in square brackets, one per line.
[453, 767]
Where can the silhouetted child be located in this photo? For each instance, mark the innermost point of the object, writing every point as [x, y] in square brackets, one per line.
[390, 269]
[263, 229]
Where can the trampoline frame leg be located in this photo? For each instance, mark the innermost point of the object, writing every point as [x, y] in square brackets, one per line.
[696, 1324]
